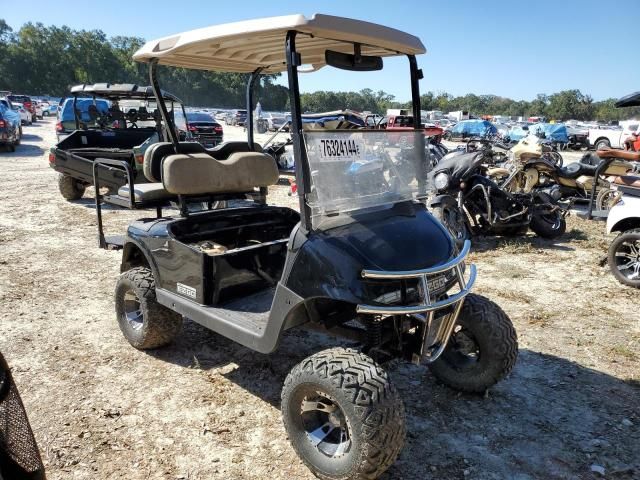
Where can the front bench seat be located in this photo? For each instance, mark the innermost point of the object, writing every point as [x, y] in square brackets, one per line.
[200, 173]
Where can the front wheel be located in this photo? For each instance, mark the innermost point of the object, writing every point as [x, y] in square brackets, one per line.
[602, 144]
[624, 258]
[607, 198]
[482, 349]
[454, 220]
[343, 416]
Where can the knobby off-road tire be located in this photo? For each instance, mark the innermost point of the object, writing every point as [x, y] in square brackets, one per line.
[482, 350]
[624, 258]
[368, 407]
[70, 188]
[144, 322]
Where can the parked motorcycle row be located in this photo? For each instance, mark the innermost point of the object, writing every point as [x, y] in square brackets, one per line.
[489, 188]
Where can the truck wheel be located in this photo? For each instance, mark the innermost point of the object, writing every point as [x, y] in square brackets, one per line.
[602, 144]
[454, 221]
[343, 416]
[482, 349]
[624, 258]
[143, 321]
[70, 188]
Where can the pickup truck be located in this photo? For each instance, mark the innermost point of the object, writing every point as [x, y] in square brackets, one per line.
[600, 138]
[112, 134]
[404, 123]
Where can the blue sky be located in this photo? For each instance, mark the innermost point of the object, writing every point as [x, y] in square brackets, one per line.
[509, 48]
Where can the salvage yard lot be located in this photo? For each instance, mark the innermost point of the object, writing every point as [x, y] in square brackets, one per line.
[206, 408]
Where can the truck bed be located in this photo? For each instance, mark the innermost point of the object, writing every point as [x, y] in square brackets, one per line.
[74, 155]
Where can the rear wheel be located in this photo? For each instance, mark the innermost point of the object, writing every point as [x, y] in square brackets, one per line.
[482, 349]
[624, 258]
[70, 188]
[602, 144]
[454, 220]
[550, 225]
[343, 416]
[143, 321]
[19, 139]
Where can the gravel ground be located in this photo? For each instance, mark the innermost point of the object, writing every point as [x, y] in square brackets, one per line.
[206, 408]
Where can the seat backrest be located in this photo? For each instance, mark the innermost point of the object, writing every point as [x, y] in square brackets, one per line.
[155, 154]
[200, 173]
[224, 150]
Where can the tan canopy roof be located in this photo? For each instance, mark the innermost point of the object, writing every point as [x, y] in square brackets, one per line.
[248, 45]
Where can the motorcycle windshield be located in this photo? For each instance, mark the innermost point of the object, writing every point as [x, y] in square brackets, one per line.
[360, 170]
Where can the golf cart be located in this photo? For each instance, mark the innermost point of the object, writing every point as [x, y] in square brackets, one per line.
[624, 217]
[363, 260]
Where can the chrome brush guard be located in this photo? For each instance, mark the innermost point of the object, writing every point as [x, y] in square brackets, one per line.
[437, 328]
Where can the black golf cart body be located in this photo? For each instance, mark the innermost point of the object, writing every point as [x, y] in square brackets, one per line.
[331, 262]
[74, 156]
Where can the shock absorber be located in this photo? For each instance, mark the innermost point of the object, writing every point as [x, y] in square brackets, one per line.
[373, 325]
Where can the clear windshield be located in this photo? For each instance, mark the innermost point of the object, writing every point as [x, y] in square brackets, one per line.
[363, 169]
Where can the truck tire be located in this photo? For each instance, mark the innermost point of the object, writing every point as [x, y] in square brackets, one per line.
[144, 322]
[602, 144]
[482, 349]
[624, 258]
[70, 188]
[344, 418]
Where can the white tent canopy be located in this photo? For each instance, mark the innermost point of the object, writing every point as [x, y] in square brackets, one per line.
[249, 45]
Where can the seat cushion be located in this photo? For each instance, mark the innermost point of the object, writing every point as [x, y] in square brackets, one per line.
[200, 173]
[146, 192]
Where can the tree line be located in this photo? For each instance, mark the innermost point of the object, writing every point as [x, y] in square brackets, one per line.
[41, 60]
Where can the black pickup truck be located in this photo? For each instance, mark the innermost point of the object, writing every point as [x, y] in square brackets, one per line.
[130, 125]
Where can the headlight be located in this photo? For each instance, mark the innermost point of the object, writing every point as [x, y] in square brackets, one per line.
[441, 181]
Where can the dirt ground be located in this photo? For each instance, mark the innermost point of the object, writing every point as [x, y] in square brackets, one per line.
[206, 408]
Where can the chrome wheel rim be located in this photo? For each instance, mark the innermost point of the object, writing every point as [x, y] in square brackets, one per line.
[133, 310]
[628, 259]
[325, 424]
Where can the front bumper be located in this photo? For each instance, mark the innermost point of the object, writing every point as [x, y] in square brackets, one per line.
[438, 316]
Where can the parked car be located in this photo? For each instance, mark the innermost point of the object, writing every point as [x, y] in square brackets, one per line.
[236, 118]
[25, 117]
[10, 126]
[602, 138]
[67, 122]
[275, 121]
[204, 129]
[52, 111]
[26, 102]
[39, 109]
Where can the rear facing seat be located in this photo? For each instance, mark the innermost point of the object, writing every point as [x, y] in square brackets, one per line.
[228, 168]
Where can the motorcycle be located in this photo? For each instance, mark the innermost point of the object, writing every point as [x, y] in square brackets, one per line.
[577, 181]
[467, 202]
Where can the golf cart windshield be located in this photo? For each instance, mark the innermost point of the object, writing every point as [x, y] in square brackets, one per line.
[363, 169]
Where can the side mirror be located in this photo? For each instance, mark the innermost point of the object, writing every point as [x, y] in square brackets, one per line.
[347, 61]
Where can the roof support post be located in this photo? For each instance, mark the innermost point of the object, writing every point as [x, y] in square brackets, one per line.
[250, 84]
[75, 112]
[303, 175]
[168, 124]
[419, 140]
